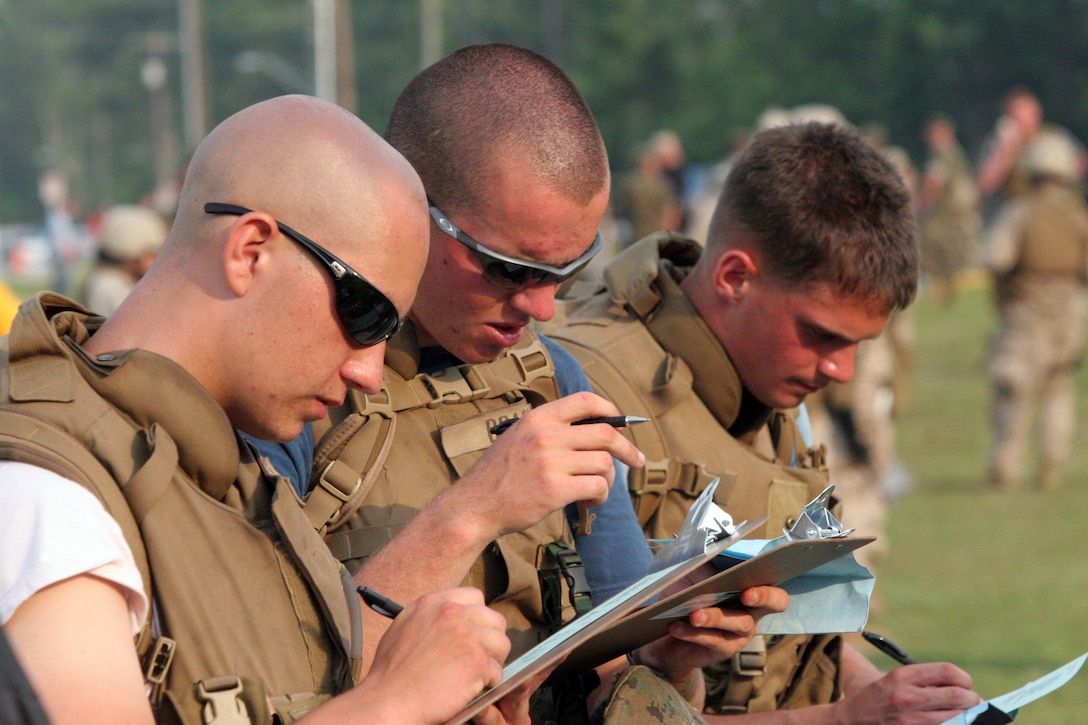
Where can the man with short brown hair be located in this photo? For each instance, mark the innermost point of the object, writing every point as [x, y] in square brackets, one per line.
[810, 249]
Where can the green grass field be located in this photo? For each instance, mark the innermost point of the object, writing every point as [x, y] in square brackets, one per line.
[995, 583]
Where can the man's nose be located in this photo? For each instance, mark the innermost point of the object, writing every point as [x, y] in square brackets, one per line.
[535, 300]
[839, 365]
[362, 370]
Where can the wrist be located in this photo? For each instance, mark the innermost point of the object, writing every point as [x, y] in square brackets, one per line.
[685, 680]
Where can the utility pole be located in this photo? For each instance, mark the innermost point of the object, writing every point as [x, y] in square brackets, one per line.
[430, 32]
[325, 49]
[193, 83]
[345, 56]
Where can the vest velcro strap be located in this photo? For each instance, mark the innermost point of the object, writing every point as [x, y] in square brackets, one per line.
[573, 571]
[222, 701]
[334, 487]
[348, 544]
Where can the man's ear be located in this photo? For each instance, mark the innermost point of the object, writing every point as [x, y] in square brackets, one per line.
[243, 251]
[733, 274]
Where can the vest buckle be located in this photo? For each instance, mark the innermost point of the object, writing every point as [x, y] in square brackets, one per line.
[573, 571]
[379, 403]
[652, 478]
[222, 701]
[451, 386]
[159, 660]
[531, 361]
[750, 661]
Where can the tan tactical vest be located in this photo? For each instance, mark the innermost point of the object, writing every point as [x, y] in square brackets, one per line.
[1055, 237]
[645, 348]
[247, 613]
[391, 454]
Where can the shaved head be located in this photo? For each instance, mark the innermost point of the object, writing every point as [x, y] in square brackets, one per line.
[305, 160]
[244, 307]
[485, 102]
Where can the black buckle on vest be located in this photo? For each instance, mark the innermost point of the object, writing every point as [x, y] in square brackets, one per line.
[573, 571]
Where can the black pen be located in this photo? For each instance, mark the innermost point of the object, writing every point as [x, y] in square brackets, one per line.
[380, 603]
[616, 421]
[889, 648]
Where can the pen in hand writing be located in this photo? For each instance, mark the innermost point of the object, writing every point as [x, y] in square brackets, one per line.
[616, 421]
[380, 603]
[889, 648]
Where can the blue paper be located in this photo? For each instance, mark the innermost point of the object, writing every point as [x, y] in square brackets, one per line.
[833, 597]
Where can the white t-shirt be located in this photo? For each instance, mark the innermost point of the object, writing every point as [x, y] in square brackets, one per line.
[51, 529]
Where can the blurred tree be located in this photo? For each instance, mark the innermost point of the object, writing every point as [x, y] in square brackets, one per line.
[72, 95]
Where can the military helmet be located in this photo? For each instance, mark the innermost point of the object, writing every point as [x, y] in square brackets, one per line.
[1052, 154]
[130, 231]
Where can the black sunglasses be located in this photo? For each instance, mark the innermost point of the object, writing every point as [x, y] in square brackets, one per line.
[368, 316]
[510, 272]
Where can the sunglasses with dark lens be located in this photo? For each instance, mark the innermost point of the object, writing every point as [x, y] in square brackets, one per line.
[368, 316]
[511, 272]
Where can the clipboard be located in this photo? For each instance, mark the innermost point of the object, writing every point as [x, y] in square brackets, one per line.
[772, 567]
[583, 631]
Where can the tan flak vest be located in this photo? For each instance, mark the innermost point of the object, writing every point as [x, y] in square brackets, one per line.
[1055, 236]
[250, 617]
[643, 346]
[390, 454]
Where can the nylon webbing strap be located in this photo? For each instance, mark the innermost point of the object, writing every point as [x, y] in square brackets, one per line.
[574, 573]
[350, 458]
[744, 667]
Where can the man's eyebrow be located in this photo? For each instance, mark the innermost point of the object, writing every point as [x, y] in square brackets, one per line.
[828, 333]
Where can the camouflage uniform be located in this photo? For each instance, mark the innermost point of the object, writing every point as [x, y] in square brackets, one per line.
[1038, 252]
[951, 223]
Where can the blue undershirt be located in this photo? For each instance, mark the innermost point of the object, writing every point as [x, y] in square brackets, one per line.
[615, 554]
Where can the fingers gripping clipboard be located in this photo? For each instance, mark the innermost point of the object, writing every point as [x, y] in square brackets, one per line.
[772, 567]
[582, 632]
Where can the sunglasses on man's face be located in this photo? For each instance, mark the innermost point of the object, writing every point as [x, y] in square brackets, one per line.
[510, 272]
[368, 316]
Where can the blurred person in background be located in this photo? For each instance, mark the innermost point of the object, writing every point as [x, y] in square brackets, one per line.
[131, 238]
[649, 200]
[1037, 251]
[1002, 173]
[948, 210]
[59, 227]
[669, 150]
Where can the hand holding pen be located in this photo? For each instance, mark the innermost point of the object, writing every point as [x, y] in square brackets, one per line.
[584, 525]
[542, 464]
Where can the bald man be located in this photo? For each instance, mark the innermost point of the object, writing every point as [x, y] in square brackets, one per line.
[299, 241]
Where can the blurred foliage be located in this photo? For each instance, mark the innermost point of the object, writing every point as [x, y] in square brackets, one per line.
[73, 98]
